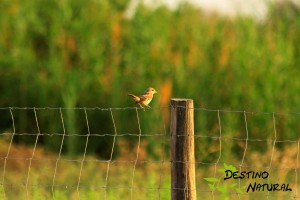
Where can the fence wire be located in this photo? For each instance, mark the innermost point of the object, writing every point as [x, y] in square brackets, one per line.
[137, 162]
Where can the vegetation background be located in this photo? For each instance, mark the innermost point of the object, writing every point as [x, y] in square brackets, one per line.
[89, 54]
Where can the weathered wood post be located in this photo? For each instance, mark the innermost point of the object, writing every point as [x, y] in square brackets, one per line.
[182, 150]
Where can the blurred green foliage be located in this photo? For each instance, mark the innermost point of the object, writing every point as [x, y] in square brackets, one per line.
[88, 54]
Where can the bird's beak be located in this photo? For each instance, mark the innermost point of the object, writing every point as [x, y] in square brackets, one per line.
[156, 92]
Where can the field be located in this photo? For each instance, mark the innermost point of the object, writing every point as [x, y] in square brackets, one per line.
[151, 178]
[88, 54]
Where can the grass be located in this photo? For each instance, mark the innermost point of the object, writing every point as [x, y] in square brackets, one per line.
[151, 178]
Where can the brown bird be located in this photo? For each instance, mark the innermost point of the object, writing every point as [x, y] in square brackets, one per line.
[144, 99]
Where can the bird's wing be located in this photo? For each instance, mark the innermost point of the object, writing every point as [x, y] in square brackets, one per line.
[145, 97]
[135, 98]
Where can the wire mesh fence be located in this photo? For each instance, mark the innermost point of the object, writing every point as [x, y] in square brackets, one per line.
[137, 163]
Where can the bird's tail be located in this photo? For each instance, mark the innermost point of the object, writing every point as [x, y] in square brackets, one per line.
[135, 98]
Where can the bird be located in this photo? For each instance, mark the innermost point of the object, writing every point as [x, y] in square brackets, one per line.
[144, 99]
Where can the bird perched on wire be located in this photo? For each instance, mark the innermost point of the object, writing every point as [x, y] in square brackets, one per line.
[144, 99]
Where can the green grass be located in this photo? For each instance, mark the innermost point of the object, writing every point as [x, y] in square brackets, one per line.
[151, 180]
[146, 184]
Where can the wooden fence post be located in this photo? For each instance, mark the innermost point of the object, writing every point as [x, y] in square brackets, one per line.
[182, 150]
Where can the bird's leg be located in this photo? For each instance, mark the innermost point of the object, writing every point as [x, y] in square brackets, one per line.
[145, 105]
[141, 107]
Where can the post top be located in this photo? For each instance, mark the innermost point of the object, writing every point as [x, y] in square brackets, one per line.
[189, 103]
[181, 99]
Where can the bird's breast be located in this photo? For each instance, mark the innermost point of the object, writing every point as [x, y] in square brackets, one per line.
[147, 101]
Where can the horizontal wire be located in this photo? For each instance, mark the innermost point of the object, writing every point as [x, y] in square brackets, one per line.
[143, 162]
[242, 111]
[151, 135]
[83, 135]
[97, 187]
[158, 107]
[79, 108]
[248, 112]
